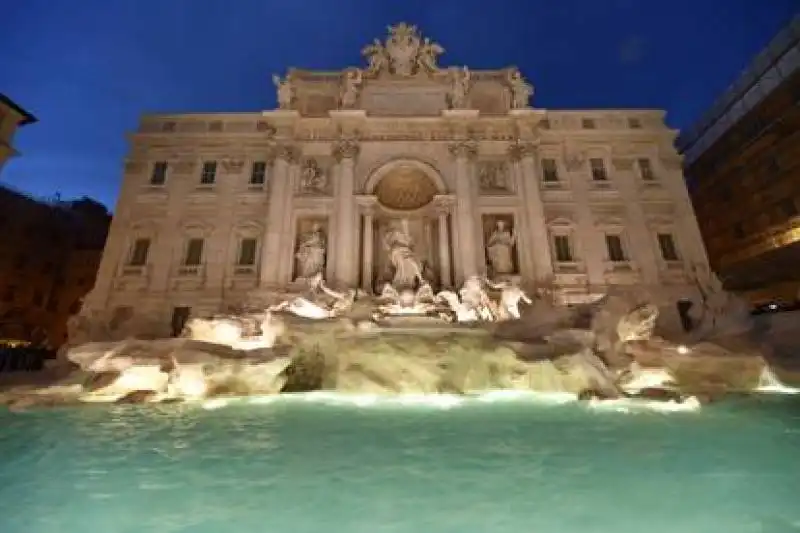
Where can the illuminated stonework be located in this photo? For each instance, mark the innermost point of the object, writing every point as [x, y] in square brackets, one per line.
[217, 206]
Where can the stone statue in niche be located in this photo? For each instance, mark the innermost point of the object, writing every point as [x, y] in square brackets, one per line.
[521, 90]
[310, 253]
[500, 249]
[350, 88]
[493, 176]
[313, 179]
[285, 91]
[459, 88]
[399, 245]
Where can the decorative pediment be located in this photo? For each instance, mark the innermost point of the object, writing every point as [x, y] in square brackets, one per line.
[249, 227]
[196, 226]
[559, 217]
[144, 226]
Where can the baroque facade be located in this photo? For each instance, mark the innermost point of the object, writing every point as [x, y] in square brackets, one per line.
[215, 206]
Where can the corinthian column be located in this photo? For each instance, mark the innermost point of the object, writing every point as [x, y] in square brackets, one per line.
[278, 215]
[536, 241]
[442, 211]
[345, 270]
[464, 152]
[367, 260]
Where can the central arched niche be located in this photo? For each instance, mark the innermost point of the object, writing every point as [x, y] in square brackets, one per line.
[406, 185]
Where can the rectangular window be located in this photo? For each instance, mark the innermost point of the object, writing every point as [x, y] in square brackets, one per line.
[598, 167]
[194, 252]
[563, 249]
[158, 176]
[209, 174]
[247, 252]
[139, 251]
[258, 173]
[667, 246]
[616, 252]
[544, 124]
[646, 169]
[634, 123]
[587, 123]
[549, 171]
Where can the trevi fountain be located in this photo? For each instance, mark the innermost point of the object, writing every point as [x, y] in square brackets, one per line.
[489, 336]
[373, 373]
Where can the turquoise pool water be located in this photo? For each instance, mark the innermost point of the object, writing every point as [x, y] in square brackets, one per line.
[315, 466]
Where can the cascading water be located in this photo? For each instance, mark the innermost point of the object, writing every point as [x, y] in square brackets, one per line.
[770, 383]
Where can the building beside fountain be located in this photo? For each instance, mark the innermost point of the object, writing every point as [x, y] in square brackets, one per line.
[355, 167]
[742, 160]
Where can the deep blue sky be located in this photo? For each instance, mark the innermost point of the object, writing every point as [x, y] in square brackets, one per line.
[88, 68]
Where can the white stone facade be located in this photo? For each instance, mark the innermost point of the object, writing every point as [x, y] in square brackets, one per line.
[213, 206]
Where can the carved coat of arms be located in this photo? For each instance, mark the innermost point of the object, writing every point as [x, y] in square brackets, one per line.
[404, 53]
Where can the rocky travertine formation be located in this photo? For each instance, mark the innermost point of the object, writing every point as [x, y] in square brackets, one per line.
[602, 350]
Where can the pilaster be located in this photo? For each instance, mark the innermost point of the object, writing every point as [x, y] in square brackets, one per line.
[346, 224]
[278, 214]
[443, 208]
[464, 153]
[524, 154]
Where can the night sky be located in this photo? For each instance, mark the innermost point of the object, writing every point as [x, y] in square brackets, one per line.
[88, 68]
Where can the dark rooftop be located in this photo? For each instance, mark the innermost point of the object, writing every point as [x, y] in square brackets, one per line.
[27, 118]
[776, 62]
